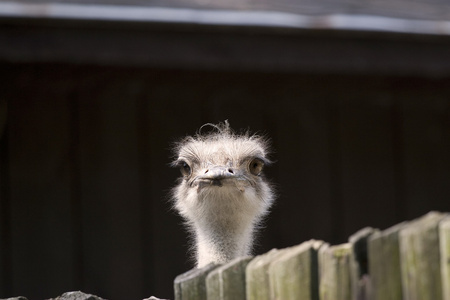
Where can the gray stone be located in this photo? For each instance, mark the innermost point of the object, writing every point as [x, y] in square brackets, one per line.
[76, 296]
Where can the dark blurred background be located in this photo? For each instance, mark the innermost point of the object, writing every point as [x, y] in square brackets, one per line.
[359, 122]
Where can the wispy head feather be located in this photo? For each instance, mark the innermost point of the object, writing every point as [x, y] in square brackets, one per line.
[222, 132]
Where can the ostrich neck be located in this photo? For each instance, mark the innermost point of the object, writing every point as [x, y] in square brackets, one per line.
[219, 241]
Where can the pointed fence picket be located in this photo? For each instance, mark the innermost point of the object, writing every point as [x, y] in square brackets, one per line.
[408, 261]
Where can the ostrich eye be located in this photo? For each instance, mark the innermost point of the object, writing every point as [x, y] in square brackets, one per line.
[256, 166]
[185, 168]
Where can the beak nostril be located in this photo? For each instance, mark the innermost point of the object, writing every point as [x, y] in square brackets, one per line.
[206, 171]
[231, 171]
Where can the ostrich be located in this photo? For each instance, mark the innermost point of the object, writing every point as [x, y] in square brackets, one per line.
[222, 194]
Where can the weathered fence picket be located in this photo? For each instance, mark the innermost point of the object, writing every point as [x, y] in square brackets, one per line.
[294, 274]
[192, 284]
[227, 282]
[444, 238]
[408, 261]
[358, 263]
[257, 275]
[384, 264]
[334, 272]
[420, 258]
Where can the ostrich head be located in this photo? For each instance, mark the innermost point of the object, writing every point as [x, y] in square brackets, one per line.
[222, 193]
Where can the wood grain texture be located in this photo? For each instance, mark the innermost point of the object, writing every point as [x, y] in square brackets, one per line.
[110, 189]
[334, 272]
[43, 258]
[420, 258]
[384, 264]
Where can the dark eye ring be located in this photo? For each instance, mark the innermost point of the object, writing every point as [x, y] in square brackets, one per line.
[185, 169]
[256, 166]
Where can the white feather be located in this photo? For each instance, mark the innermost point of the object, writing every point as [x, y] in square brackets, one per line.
[222, 217]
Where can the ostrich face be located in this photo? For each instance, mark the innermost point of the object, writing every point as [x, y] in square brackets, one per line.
[222, 179]
[218, 167]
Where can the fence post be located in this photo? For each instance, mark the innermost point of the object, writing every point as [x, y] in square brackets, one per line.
[420, 258]
[444, 238]
[192, 284]
[294, 274]
[334, 272]
[228, 281]
[384, 264]
[360, 279]
[257, 275]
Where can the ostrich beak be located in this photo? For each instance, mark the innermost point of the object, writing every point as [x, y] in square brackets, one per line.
[215, 176]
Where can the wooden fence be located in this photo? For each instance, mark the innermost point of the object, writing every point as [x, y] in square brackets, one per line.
[409, 261]
[359, 125]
